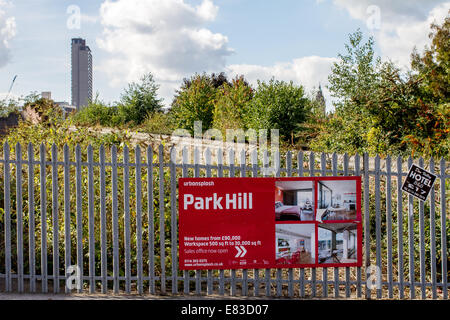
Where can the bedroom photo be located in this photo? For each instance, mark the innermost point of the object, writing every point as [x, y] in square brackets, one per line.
[294, 201]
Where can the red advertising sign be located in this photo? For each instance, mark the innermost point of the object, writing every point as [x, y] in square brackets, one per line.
[247, 223]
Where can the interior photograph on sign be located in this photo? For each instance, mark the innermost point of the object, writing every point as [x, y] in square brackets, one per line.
[294, 201]
[295, 243]
[336, 200]
[337, 243]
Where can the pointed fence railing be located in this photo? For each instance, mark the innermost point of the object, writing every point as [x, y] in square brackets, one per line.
[109, 217]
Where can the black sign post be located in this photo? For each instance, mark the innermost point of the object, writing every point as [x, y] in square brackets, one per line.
[418, 182]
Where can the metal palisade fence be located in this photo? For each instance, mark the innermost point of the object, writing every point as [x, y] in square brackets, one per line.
[108, 217]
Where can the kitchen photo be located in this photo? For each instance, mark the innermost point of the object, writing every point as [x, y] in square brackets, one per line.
[336, 200]
[337, 243]
[295, 243]
[294, 200]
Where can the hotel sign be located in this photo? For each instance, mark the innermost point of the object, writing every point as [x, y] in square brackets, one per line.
[418, 182]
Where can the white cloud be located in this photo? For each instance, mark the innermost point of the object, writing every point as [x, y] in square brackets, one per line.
[307, 71]
[165, 37]
[403, 24]
[11, 96]
[171, 39]
[7, 32]
[392, 10]
[89, 19]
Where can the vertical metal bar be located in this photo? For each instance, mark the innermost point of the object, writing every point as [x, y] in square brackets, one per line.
[151, 221]
[55, 219]
[162, 227]
[335, 270]
[79, 219]
[378, 218]
[347, 269]
[358, 269]
[323, 167]
[302, 270]
[290, 271]
[400, 266]
[103, 259]
[254, 162]
[198, 273]
[209, 289]
[115, 220]
[433, 235]
[31, 219]
[67, 244]
[185, 175]
[389, 226]
[245, 271]
[126, 217]
[139, 263]
[19, 217]
[313, 270]
[220, 175]
[267, 275]
[7, 219]
[232, 174]
[300, 164]
[278, 272]
[173, 219]
[43, 191]
[444, 231]
[422, 242]
[411, 240]
[366, 221]
[91, 225]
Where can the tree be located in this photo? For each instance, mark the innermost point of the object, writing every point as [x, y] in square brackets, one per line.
[432, 68]
[381, 110]
[7, 107]
[370, 98]
[98, 113]
[352, 84]
[232, 105]
[431, 74]
[195, 100]
[278, 105]
[42, 110]
[316, 119]
[140, 100]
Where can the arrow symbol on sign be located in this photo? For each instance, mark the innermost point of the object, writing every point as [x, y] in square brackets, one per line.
[241, 251]
[244, 251]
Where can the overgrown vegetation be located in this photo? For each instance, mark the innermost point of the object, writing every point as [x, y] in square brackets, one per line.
[379, 109]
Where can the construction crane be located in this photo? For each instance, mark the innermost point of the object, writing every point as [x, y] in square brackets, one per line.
[10, 88]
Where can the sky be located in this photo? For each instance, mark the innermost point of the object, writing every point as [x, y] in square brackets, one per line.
[290, 40]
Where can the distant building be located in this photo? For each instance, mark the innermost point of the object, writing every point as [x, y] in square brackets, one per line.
[46, 95]
[65, 106]
[321, 101]
[81, 73]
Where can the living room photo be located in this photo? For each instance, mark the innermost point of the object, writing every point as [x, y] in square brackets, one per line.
[295, 243]
[336, 200]
[337, 243]
[294, 200]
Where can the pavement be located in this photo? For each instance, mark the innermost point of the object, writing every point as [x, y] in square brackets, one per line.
[41, 296]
